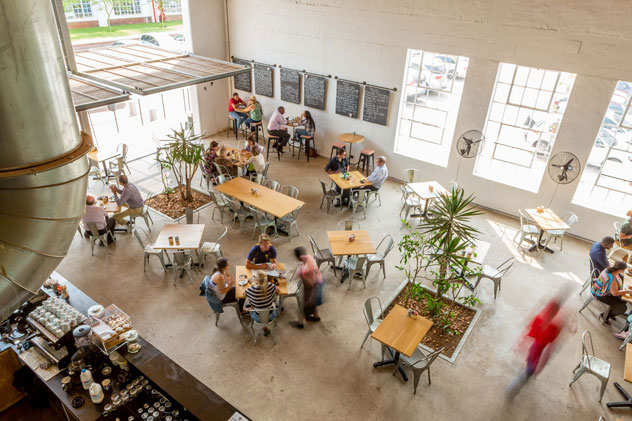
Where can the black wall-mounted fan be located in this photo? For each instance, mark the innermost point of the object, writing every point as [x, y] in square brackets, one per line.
[563, 168]
[470, 143]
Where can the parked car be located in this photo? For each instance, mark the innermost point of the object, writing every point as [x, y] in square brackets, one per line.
[167, 41]
[436, 76]
[126, 42]
[454, 65]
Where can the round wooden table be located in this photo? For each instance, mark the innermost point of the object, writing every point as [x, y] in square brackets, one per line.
[350, 138]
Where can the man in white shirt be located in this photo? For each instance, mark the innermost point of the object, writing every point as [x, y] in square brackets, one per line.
[277, 127]
[379, 174]
[97, 215]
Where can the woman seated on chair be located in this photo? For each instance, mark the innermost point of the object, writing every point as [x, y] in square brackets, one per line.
[209, 158]
[254, 108]
[223, 285]
[256, 164]
[252, 144]
[608, 288]
[261, 296]
[310, 127]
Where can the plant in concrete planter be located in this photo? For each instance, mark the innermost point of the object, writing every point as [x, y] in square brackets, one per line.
[440, 245]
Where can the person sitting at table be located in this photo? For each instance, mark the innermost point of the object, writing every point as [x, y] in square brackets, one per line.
[310, 128]
[337, 164]
[252, 144]
[312, 282]
[625, 235]
[262, 255]
[239, 116]
[598, 254]
[209, 158]
[379, 174]
[256, 164]
[608, 288]
[130, 197]
[254, 108]
[97, 215]
[261, 296]
[223, 284]
[277, 127]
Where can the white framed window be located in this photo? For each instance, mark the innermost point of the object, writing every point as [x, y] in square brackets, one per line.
[605, 182]
[172, 6]
[523, 119]
[430, 99]
[126, 7]
[78, 9]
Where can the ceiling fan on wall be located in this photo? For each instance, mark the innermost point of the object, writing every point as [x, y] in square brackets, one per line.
[469, 145]
[563, 168]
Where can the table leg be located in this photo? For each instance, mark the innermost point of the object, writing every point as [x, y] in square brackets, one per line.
[539, 246]
[394, 360]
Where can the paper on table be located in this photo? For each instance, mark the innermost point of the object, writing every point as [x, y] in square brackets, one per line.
[33, 358]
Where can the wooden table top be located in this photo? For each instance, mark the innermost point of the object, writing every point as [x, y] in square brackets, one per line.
[102, 155]
[547, 220]
[350, 138]
[268, 200]
[110, 207]
[341, 246]
[481, 248]
[350, 183]
[190, 236]
[627, 373]
[244, 156]
[240, 291]
[422, 189]
[400, 332]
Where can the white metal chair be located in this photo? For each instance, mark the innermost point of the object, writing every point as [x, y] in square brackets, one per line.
[571, 219]
[289, 191]
[356, 265]
[371, 321]
[95, 172]
[116, 168]
[495, 274]
[95, 236]
[220, 204]
[214, 248]
[592, 298]
[349, 225]
[263, 222]
[266, 168]
[358, 198]
[234, 305]
[144, 214]
[419, 362]
[330, 195]
[294, 286]
[453, 186]
[291, 220]
[222, 178]
[258, 178]
[239, 213]
[593, 274]
[322, 255]
[375, 194]
[412, 175]
[182, 261]
[143, 239]
[411, 202]
[617, 245]
[122, 149]
[257, 327]
[628, 338]
[272, 184]
[590, 364]
[380, 256]
[527, 230]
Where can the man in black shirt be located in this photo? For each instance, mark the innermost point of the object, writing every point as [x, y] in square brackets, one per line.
[338, 164]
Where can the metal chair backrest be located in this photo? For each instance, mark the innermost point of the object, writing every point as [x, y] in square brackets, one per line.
[432, 356]
[368, 309]
[570, 218]
[272, 184]
[452, 186]
[587, 335]
[179, 258]
[221, 235]
[241, 145]
[594, 272]
[265, 170]
[349, 224]
[189, 215]
[233, 204]
[412, 175]
[258, 178]
[120, 162]
[617, 229]
[324, 187]
[141, 236]
[361, 197]
[123, 150]
[93, 230]
[290, 191]
[524, 219]
[258, 215]
[264, 316]
[312, 243]
[222, 178]
[389, 245]
[503, 269]
[221, 169]
[361, 262]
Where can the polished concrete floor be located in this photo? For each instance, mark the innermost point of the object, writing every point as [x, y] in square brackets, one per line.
[321, 372]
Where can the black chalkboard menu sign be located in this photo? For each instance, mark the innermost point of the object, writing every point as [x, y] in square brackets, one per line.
[243, 82]
[263, 80]
[347, 98]
[314, 91]
[290, 86]
[375, 109]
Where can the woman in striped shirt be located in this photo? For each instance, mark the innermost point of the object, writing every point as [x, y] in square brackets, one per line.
[261, 296]
[608, 289]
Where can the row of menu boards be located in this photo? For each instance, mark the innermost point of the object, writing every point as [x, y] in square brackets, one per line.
[375, 102]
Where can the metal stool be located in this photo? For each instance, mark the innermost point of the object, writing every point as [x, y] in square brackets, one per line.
[232, 125]
[258, 125]
[366, 161]
[305, 145]
[271, 139]
[334, 148]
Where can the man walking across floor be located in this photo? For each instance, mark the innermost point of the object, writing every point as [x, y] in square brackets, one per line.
[277, 127]
[379, 174]
[130, 197]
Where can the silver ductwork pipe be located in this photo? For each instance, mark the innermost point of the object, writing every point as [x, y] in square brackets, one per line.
[43, 168]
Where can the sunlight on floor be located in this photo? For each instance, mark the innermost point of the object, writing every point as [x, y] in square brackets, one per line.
[507, 234]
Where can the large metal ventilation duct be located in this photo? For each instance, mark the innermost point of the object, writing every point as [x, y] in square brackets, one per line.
[43, 169]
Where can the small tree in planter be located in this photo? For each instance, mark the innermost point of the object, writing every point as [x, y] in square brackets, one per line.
[182, 157]
[441, 245]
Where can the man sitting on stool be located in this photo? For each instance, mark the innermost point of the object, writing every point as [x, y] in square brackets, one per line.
[130, 196]
[97, 215]
[277, 127]
[379, 174]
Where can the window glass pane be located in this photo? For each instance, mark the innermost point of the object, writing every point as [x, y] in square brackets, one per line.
[433, 82]
[506, 72]
[516, 152]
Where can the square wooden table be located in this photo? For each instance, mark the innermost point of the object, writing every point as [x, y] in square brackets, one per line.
[268, 200]
[240, 291]
[341, 246]
[401, 333]
[110, 206]
[244, 156]
[190, 237]
[354, 182]
[481, 248]
[102, 156]
[545, 220]
[422, 189]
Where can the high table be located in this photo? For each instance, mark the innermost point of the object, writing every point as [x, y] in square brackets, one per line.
[427, 190]
[240, 291]
[401, 333]
[350, 138]
[546, 220]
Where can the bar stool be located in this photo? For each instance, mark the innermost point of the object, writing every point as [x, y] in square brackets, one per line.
[366, 161]
[271, 139]
[306, 142]
[257, 125]
[334, 148]
[232, 125]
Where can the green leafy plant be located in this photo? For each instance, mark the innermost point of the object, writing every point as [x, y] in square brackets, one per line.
[181, 157]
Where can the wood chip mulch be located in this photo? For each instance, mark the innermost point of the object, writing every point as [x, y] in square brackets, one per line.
[173, 206]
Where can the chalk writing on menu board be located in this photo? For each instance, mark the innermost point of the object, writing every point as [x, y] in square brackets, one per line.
[375, 109]
[263, 80]
[243, 82]
[347, 98]
[290, 86]
[314, 91]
